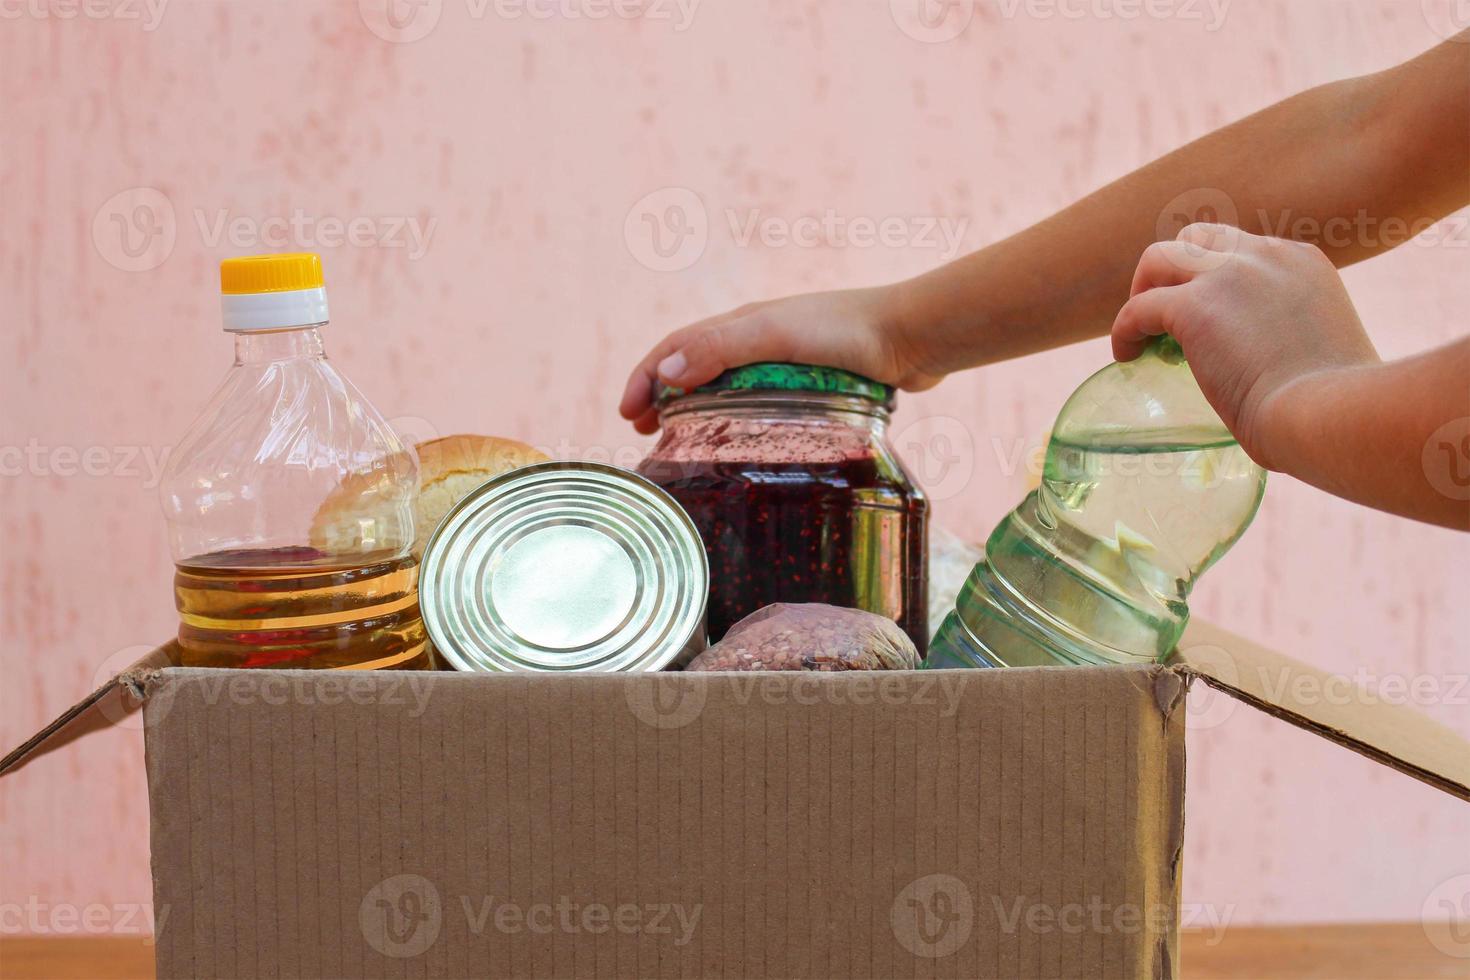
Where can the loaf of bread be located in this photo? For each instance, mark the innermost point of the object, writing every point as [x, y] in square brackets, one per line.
[449, 468]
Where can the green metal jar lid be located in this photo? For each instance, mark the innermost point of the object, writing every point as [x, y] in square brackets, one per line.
[776, 376]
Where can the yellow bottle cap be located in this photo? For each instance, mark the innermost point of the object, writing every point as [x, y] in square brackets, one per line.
[282, 273]
[272, 292]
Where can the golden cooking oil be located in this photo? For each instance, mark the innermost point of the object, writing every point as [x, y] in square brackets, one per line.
[299, 608]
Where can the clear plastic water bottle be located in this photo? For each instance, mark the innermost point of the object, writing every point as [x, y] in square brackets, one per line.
[290, 500]
[1143, 489]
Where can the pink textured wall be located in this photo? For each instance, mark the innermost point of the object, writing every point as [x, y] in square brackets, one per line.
[530, 154]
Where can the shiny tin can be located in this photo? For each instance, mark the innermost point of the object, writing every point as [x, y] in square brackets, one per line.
[565, 567]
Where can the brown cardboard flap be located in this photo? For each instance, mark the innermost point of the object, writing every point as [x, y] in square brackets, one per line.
[1373, 720]
[103, 708]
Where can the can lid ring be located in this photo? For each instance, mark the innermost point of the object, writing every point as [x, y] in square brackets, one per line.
[564, 567]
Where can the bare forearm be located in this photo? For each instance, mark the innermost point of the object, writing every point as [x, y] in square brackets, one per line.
[1355, 167]
[1394, 436]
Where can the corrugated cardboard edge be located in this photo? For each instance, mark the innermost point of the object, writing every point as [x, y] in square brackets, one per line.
[1332, 706]
[1391, 734]
[1171, 686]
[103, 708]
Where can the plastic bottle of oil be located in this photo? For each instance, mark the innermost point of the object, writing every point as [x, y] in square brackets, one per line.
[290, 499]
[1143, 489]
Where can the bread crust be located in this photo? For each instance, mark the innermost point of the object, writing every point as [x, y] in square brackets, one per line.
[466, 455]
[449, 469]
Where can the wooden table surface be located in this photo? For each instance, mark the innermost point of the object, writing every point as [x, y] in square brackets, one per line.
[1339, 952]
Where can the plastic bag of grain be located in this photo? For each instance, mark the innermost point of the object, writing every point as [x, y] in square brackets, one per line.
[810, 636]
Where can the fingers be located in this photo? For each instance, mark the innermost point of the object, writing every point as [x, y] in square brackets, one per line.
[1215, 238]
[696, 354]
[639, 392]
[1159, 266]
[1145, 316]
[1172, 264]
[724, 345]
[1157, 294]
[647, 423]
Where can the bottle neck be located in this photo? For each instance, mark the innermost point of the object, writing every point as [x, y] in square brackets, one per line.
[268, 346]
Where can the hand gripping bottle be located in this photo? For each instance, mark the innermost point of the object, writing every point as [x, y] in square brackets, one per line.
[1143, 489]
[290, 500]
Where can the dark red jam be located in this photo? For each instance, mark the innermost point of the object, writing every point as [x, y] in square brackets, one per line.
[798, 510]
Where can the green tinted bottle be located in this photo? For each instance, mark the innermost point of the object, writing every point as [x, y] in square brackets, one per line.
[1143, 489]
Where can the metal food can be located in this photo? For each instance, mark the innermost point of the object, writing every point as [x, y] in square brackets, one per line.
[565, 567]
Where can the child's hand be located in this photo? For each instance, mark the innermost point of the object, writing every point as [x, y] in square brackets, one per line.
[1254, 316]
[855, 329]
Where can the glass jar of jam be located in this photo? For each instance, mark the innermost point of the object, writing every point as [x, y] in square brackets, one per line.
[787, 472]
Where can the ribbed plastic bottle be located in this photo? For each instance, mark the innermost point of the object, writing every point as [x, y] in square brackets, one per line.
[1143, 489]
[290, 500]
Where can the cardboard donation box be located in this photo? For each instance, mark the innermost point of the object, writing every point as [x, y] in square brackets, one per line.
[1009, 822]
